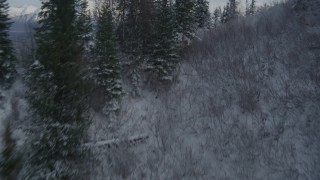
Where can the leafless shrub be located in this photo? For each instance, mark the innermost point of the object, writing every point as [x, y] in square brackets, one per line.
[15, 109]
[122, 162]
[111, 163]
[97, 100]
[187, 165]
[248, 98]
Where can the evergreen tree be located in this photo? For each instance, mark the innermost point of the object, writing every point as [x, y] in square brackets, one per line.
[165, 56]
[136, 27]
[146, 23]
[185, 17]
[202, 13]
[123, 10]
[247, 8]
[135, 34]
[252, 8]
[233, 10]
[10, 158]
[225, 14]
[57, 93]
[106, 67]
[216, 17]
[7, 58]
[230, 11]
[84, 26]
[130, 38]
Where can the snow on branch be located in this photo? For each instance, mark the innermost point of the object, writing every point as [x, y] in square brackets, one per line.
[115, 143]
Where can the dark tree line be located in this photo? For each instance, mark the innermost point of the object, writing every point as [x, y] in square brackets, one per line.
[231, 12]
[150, 31]
[7, 58]
[105, 64]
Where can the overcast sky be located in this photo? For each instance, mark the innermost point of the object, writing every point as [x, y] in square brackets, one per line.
[213, 3]
[19, 3]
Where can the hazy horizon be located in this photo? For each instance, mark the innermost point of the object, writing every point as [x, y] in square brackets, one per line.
[213, 3]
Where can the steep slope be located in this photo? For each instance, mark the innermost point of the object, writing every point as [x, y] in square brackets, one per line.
[245, 105]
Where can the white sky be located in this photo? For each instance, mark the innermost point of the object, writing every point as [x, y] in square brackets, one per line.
[19, 3]
[213, 3]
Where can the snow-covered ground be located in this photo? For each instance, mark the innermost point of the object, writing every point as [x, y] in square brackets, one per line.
[244, 105]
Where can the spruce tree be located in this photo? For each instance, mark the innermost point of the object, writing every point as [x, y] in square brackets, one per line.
[230, 11]
[185, 17]
[252, 8]
[247, 8]
[84, 25]
[123, 9]
[57, 93]
[136, 27]
[146, 18]
[216, 17]
[233, 10]
[165, 55]
[202, 14]
[225, 14]
[106, 66]
[7, 58]
[135, 34]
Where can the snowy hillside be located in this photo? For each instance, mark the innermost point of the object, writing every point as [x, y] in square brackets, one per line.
[244, 104]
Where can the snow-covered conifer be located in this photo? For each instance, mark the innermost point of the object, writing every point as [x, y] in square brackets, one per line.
[185, 17]
[233, 10]
[165, 55]
[230, 11]
[224, 15]
[7, 58]
[136, 28]
[203, 14]
[252, 8]
[135, 35]
[216, 17]
[106, 68]
[57, 93]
